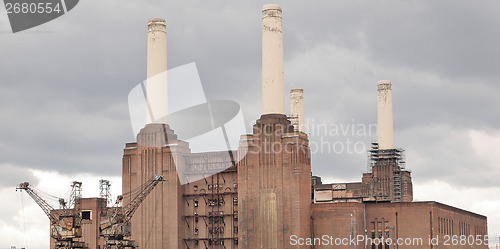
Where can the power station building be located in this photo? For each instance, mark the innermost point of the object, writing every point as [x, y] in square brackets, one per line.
[265, 196]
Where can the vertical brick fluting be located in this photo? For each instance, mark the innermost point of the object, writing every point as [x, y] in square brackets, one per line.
[158, 220]
[274, 182]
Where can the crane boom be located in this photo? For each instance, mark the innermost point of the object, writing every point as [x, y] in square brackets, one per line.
[46, 207]
[115, 226]
[130, 208]
[64, 225]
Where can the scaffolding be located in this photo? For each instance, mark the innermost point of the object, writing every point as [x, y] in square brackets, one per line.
[389, 157]
[216, 216]
[105, 191]
[76, 195]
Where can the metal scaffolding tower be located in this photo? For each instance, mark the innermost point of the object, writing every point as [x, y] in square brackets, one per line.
[105, 191]
[390, 157]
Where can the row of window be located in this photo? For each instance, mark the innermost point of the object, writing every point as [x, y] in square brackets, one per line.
[215, 220]
[464, 228]
[379, 228]
[215, 202]
[216, 217]
[447, 226]
[215, 230]
[216, 213]
[215, 187]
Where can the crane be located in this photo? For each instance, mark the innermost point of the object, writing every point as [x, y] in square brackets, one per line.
[64, 223]
[115, 226]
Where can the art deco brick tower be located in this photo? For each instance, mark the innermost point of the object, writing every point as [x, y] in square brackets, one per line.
[274, 176]
[158, 221]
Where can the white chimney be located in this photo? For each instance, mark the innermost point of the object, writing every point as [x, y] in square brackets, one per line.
[297, 108]
[156, 88]
[273, 86]
[385, 119]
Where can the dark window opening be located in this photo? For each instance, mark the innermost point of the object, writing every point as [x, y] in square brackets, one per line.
[86, 215]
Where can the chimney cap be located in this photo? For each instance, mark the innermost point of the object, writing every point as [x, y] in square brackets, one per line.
[384, 82]
[296, 90]
[384, 85]
[157, 24]
[156, 21]
[271, 6]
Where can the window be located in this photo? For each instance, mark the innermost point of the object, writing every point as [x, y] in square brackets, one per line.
[215, 202]
[215, 242]
[195, 203]
[216, 230]
[195, 187]
[86, 215]
[235, 201]
[215, 220]
[195, 231]
[216, 213]
[235, 229]
[214, 187]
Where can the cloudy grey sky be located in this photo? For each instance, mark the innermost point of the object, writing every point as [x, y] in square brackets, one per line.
[64, 88]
